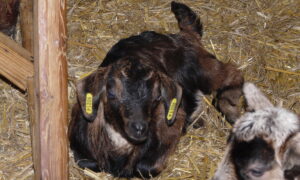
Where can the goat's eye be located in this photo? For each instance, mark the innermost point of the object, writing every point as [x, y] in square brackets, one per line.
[158, 99]
[111, 95]
[256, 172]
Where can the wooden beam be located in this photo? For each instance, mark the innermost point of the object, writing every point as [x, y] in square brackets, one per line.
[15, 62]
[34, 127]
[51, 87]
[26, 24]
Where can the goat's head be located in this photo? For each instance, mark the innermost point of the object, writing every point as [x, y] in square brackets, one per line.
[255, 147]
[262, 132]
[130, 92]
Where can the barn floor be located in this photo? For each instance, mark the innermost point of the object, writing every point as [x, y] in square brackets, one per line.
[261, 36]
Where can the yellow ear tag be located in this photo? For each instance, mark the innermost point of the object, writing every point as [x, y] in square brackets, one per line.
[171, 109]
[89, 103]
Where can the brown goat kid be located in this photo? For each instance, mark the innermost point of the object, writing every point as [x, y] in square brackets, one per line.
[126, 131]
[132, 111]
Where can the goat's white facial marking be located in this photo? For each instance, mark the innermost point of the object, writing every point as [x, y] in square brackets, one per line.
[117, 140]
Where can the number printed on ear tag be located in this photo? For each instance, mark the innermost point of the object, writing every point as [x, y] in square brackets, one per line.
[89, 103]
[171, 109]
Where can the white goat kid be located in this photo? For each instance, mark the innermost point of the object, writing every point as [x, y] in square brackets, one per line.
[264, 143]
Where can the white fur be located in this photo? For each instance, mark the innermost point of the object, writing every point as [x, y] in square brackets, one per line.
[118, 141]
[274, 123]
[225, 169]
[199, 100]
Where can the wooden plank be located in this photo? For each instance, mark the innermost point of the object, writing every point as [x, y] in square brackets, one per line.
[15, 62]
[51, 87]
[11, 44]
[26, 24]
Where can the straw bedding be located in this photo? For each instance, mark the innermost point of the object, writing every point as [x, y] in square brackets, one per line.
[261, 36]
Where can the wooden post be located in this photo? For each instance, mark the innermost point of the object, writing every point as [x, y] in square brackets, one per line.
[51, 88]
[26, 24]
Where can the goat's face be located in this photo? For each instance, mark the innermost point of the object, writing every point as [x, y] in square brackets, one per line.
[255, 160]
[130, 93]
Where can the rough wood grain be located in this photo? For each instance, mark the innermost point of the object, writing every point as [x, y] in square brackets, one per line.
[51, 87]
[15, 62]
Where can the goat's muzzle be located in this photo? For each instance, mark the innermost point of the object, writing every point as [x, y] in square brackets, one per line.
[138, 131]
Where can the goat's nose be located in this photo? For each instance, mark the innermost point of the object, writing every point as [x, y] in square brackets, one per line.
[139, 127]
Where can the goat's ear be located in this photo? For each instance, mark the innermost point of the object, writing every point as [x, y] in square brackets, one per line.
[171, 94]
[291, 156]
[230, 138]
[255, 98]
[89, 91]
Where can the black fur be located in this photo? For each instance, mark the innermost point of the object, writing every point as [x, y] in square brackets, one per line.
[293, 173]
[173, 55]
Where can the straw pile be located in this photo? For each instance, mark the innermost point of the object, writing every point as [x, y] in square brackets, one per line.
[261, 36]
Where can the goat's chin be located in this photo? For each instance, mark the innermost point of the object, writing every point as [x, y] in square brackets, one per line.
[136, 140]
